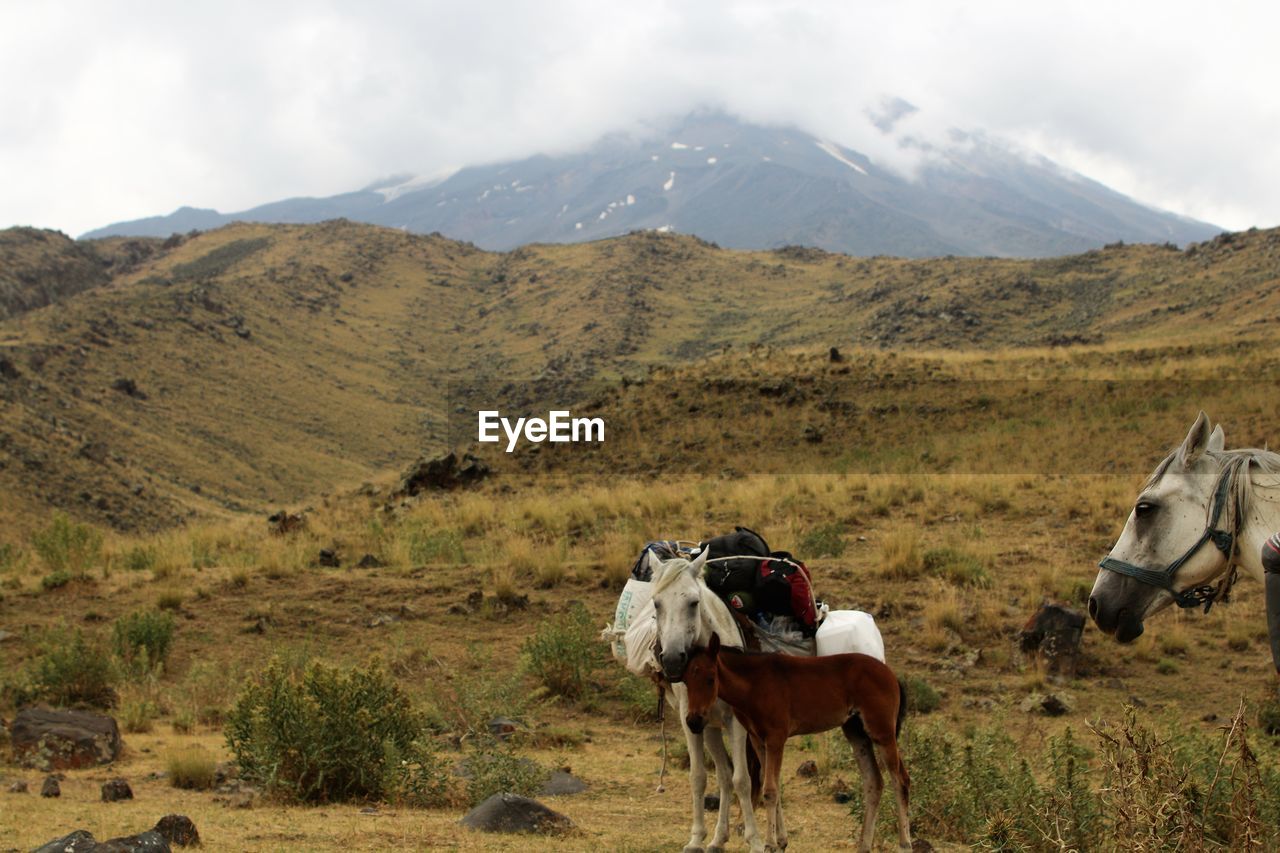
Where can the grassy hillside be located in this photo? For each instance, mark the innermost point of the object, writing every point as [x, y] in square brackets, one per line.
[256, 365]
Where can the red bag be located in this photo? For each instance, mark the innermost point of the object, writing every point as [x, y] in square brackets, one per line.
[784, 587]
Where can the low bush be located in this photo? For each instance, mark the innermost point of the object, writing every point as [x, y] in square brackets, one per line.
[492, 768]
[67, 546]
[565, 652]
[73, 670]
[922, 698]
[141, 640]
[330, 735]
[957, 566]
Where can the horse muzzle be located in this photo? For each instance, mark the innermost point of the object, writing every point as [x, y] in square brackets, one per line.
[673, 665]
[696, 723]
[1123, 623]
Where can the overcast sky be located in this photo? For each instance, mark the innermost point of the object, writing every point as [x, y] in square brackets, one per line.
[117, 110]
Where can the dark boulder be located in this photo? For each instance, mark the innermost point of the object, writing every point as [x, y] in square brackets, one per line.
[1053, 633]
[114, 790]
[50, 739]
[80, 841]
[512, 813]
[369, 561]
[51, 787]
[561, 784]
[144, 842]
[329, 558]
[443, 473]
[128, 387]
[178, 829]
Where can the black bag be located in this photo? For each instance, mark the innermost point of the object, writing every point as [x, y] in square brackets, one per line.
[784, 588]
[725, 577]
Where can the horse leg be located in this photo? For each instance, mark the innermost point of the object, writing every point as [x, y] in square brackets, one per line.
[772, 771]
[697, 773]
[782, 827]
[901, 789]
[744, 786]
[724, 778]
[872, 782]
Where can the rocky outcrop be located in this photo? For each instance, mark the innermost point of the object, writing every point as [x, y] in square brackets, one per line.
[51, 739]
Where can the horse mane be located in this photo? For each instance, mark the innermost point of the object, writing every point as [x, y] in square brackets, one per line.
[1238, 467]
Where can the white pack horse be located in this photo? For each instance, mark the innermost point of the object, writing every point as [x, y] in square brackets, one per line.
[687, 614]
[1202, 516]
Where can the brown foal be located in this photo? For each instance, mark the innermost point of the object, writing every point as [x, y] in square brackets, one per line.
[776, 696]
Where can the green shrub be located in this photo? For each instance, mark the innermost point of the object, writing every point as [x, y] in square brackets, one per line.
[492, 768]
[959, 567]
[922, 698]
[440, 546]
[825, 541]
[72, 670]
[139, 558]
[66, 546]
[55, 580]
[142, 639]
[564, 652]
[329, 735]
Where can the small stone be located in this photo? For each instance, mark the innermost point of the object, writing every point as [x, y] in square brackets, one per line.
[51, 788]
[178, 829]
[512, 813]
[369, 561]
[115, 790]
[19, 787]
[562, 783]
[329, 558]
[807, 770]
[841, 797]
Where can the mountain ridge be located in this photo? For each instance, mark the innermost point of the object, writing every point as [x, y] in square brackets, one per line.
[743, 186]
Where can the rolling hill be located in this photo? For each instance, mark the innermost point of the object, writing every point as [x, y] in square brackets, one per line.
[744, 186]
[254, 365]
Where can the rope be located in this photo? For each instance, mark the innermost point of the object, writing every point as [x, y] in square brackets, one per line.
[662, 720]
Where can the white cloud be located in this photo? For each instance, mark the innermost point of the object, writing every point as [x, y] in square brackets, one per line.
[130, 109]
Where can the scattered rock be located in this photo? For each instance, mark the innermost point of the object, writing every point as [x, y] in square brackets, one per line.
[8, 370]
[1049, 704]
[129, 388]
[919, 845]
[80, 841]
[1209, 718]
[368, 561]
[19, 787]
[381, 619]
[561, 784]
[144, 842]
[807, 770]
[114, 790]
[812, 434]
[512, 813]
[834, 356]
[445, 472]
[51, 788]
[284, 522]
[503, 727]
[842, 797]
[711, 802]
[50, 739]
[1053, 633]
[329, 558]
[178, 829]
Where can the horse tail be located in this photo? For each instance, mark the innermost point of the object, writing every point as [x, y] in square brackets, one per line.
[902, 706]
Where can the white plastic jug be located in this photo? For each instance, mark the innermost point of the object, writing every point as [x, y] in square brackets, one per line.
[845, 631]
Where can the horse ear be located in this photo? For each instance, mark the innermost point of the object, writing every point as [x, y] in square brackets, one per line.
[654, 564]
[700, 561]
[1196, 442]
[1217, 441]
[713, 648]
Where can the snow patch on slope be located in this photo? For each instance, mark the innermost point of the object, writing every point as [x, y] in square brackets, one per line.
[835, 152]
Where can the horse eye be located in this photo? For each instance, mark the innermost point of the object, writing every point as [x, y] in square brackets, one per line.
[1145, 508]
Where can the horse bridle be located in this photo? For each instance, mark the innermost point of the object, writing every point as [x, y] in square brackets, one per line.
[1163, 578]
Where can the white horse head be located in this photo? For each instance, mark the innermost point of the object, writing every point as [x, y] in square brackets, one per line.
[1186, 529]
[688, 614]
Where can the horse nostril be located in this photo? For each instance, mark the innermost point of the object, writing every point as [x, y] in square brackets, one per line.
[1093, 607]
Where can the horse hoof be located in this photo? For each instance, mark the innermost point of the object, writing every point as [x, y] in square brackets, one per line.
[715, 848]
[692, 849]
